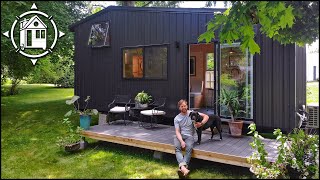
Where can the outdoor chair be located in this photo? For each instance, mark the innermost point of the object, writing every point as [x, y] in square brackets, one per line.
[154, 113]
[120, 105]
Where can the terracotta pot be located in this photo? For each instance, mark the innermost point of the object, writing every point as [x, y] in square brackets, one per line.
[236, 128]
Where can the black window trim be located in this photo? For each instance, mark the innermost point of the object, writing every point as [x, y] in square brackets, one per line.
[143, 52]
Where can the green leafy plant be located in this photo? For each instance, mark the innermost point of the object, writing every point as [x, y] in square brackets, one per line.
[281, 21]
[85, 111]
[72, 135]
[227, 81]
[297, 152]
[143, 97]
[303, 155]
[260, 166]
[230, 99]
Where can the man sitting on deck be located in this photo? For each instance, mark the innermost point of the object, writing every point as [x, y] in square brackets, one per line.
[185, 129]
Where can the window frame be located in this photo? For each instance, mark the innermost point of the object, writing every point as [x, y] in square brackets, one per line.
[144, 62]
[109, 29]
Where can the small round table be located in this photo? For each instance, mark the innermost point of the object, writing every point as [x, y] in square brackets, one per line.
[135, 113]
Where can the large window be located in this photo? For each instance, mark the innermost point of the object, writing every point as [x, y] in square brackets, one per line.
[237, 74]
[99, 35]
[145, 62]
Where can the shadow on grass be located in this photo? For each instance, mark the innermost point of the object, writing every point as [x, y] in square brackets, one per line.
[197, 166]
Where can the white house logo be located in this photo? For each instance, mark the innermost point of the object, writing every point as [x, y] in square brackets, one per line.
[33, 34]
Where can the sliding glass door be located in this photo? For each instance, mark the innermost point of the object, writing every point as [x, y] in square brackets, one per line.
[236, 73]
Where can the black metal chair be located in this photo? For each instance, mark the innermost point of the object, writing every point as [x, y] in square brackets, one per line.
[120, 105]
[157, 110]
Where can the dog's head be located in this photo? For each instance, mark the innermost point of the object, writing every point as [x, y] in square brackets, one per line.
[195, 116]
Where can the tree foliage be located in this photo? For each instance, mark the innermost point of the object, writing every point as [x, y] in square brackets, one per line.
[171, 4]
[285, 21]
[64, 13]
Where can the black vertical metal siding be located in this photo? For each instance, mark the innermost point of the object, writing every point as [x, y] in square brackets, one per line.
[279, 84]
[279, 71]
[99, 70]
[301, 76]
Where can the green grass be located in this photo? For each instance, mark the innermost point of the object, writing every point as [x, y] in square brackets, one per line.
[31, 123]
[313, 93]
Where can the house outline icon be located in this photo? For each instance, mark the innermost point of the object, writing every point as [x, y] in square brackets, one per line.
[33, 33]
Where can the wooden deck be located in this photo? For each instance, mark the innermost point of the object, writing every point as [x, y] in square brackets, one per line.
[230, 150]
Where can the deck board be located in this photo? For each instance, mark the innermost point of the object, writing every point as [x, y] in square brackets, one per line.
[229, 150]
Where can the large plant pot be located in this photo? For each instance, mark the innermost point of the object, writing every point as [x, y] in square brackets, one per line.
[85, 121]
[236, 128]
[72, 147]
[139, 105]
[76, 146]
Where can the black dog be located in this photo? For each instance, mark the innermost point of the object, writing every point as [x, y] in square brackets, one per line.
[214, 121]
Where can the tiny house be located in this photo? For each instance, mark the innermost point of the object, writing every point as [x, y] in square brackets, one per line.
[124, 50]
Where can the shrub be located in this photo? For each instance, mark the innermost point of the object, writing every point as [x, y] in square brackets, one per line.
[298, 153]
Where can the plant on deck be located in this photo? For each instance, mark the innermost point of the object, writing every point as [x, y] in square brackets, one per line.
[143, 97]
[231, 100]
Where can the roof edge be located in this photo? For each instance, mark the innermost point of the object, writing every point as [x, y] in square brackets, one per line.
[161, 9]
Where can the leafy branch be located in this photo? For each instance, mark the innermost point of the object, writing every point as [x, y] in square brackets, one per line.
[281, 21]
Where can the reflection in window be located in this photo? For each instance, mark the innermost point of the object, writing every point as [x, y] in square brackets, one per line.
[236, 74]
[152, 60]
[99, 35]
[209, 71]
[156, 62]
[133, 63]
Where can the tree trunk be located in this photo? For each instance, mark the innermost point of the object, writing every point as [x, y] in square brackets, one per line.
[14, 85]
[231, 113]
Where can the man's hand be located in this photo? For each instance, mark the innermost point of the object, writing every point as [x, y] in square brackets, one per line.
[183, 144]
[198, 124]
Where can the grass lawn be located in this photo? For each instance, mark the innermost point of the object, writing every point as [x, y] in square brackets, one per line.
[31, 123]
[313, 92]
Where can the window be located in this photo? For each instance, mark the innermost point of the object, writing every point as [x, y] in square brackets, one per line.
[210, 71]
[29, 38]
[237, 74]
[99, 35]
[133, 63]
[145, 62]
[37, 34]
[156, 62]
[43, 34]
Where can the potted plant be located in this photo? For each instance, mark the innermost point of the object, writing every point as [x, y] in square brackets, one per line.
[142, 99]
[72, 140]
[85, 114]
[231, 100]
